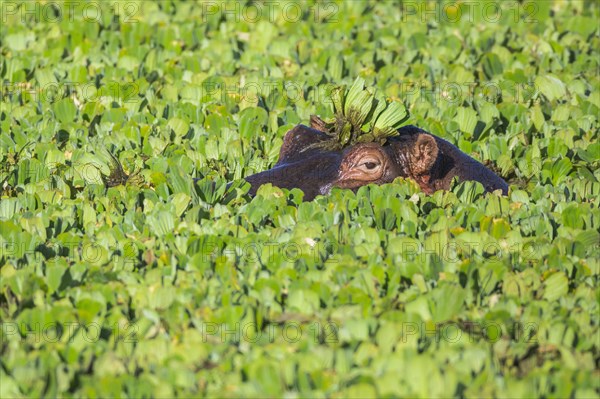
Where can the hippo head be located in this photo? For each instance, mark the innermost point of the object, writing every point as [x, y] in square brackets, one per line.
[302, 164]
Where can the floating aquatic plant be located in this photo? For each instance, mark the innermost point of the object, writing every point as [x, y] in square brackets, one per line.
[361, 115]
[118, 176]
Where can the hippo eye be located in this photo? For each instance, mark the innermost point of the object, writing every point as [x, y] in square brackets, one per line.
[369, 164]
[364, 164]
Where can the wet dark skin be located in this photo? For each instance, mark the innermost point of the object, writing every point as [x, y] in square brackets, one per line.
[429, 160]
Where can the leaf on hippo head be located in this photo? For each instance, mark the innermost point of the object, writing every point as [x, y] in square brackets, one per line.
[361, 115]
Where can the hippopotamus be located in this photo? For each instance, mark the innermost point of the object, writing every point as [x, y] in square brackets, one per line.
[430, 161]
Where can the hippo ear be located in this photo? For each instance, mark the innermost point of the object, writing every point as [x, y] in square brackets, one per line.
[423, 154]
[297, 141]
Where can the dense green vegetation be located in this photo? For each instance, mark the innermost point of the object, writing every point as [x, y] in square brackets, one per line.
[162, 287]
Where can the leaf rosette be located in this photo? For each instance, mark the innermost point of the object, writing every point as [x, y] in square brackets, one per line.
[361, 115]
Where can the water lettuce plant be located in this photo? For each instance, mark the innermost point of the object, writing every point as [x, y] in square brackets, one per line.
[360, 116]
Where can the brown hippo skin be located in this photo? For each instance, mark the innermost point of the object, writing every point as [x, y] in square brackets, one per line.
[433, 162]
[429, 160]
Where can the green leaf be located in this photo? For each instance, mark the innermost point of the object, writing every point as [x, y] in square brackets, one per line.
[303, 301]
[336, 67]
[19, 41]
[467, 120]
[556, 286]
[179, 126]
[162, 223]
[394, 114]
[360, 108]
[337, 99]
[492, 66]
[45, 78]
[90, 168]
[551, 87]
[447, 301]
[560, 170]
[54, 275]
[353, 94]
[181, 202]
[64, 110]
